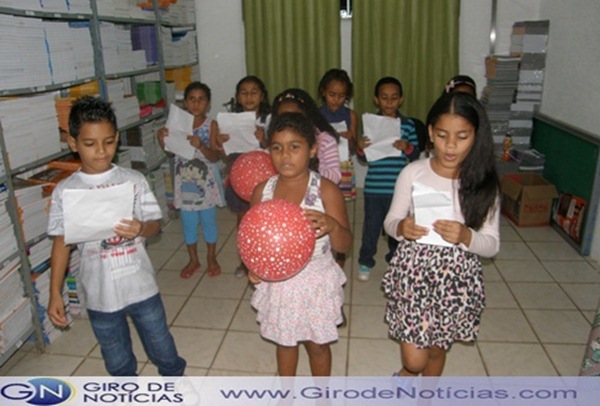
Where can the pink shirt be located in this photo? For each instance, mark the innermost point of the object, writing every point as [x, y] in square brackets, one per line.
[484, 242]
[329, 157]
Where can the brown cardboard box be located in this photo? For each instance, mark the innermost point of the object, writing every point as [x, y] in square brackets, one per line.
[527, 199]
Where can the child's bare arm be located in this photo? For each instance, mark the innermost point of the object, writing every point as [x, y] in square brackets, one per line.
[59, 262]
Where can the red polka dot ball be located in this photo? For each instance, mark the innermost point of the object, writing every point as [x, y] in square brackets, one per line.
[248, 170]
[275, 240]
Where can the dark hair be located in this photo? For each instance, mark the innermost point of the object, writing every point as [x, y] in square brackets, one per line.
[308, 107]
[264, 108]
[300, 124]
[478, 180]
[90, 109]
[341, 76]
[460, 80]
[388, 80]
[197, 86]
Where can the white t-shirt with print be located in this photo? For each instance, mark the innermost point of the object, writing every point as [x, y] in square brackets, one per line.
[116, 272]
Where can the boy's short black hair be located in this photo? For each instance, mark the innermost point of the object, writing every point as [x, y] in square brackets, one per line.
[90, 109]
[388, 80]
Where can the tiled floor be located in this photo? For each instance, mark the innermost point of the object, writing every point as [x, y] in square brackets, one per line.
[541, 299]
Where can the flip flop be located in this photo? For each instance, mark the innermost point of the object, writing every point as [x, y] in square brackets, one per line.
[187, 273]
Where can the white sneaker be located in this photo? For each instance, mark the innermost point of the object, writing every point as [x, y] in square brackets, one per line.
[363, 273]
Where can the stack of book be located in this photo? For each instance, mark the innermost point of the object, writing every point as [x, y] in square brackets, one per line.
[117, 50]
[8, 241]
[181, 12]
[39, 255]
[29, 66]
[15, 311]
[146, 153]
[502, 74]
[32, 207]
[124, 103]
[124, 9]
[529, 41]
[48, 52]
[144, 37]
[30, 128]
[76, 305]
[179, 46]
[60, 6]
[41, 287]
[70, 51]
[14, 324]
[123, 157]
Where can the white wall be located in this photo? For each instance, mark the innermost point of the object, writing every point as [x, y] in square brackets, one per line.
[475, 26]
[572, 82]
[220, 48]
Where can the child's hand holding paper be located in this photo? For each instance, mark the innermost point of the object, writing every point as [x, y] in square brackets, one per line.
[430, 206]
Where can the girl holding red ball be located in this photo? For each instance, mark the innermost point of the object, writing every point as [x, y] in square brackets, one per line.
[305, 308]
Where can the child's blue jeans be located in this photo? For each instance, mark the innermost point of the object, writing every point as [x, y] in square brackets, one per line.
[148, 316]
[376, 208]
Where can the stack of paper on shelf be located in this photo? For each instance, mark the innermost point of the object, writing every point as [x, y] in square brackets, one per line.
[11, 287]
[8, 241]
[125, 105]
[123, 9]
[123, 157]
[14, 324]
[76, 304]
[79, 6]
[30, 128]
[41, 287]
[181, 12]
[117, 49]
[39, 255]
[143, 144]
[29, 66]
[32, 207]
[502, 74]
[530, 44]
[22, 4]
[179, 46]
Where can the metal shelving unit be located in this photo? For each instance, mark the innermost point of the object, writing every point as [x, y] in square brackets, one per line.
[93, 20]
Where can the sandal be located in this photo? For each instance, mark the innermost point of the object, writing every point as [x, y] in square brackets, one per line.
[214, 269]
[188, 272]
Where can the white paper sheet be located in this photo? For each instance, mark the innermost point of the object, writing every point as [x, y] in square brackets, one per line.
[383, 132]
[180, 124]
[241, 128]
[431, 205]
[343, 144]
[90, 214]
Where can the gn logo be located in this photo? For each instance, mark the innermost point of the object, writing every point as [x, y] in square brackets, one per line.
[39, 391]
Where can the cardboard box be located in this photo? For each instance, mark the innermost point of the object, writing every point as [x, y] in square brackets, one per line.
[527, 199]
